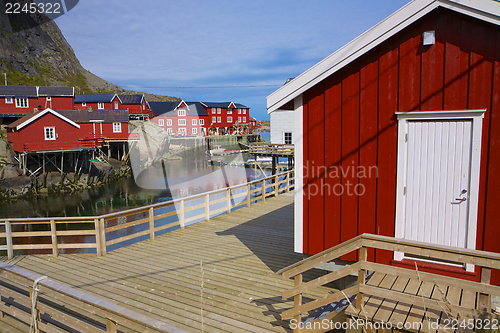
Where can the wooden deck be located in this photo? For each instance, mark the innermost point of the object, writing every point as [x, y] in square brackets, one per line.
[215, 276]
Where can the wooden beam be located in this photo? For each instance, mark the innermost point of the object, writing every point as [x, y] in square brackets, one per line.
[151, 223]
[297, 300]
[484, 301]
[53, 232]
[8, 237]
[363, 255]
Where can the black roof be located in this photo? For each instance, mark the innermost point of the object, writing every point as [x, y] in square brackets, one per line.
[83, 116]
[97, 98]
[23, 91]
[19, 91]
[167, 109]
[131, 99]
[224, 105]
[56, 91]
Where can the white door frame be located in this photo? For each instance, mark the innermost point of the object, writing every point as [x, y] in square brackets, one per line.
[477, 125]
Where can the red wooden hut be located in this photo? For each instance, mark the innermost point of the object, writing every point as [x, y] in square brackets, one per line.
[398, 134]
[98, 102]
[137, 106]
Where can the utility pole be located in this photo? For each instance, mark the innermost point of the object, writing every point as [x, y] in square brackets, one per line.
[5, 76]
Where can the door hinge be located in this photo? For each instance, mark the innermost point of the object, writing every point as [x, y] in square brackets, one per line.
[404, 191]
[406, 137]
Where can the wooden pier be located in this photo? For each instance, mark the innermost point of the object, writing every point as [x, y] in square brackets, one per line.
[213, 276]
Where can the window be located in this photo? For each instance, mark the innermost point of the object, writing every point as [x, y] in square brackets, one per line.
[50, 133]
[116, 105]
[213, 111]
[181, 112]
[8, 100]
[100, 106]
[213, 120]
[182, 122]
[229, 119]
[202, 121]
[229, 111]
[288, 138]
[161, 122]
[218, 119]
[22, 103]
[244, 111]
[218, 110]
[169, 131]
[49, 98]
[195, 130]
[239, 111]
[194, 122]
[169, 122]
[84, 104]
[117, 127]
[239, 119]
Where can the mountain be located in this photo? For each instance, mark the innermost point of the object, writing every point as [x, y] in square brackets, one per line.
[34, 52]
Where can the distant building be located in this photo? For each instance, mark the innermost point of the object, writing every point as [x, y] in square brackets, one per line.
[282, 127]
[227, 117]
[180, 118]
[17, 101]
[137, 106]
[98, 102]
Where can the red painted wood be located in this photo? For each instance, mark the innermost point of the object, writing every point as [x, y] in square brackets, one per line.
[368, 171]
[350, 158]
[316, 170]
[409, 71]
[333, 159]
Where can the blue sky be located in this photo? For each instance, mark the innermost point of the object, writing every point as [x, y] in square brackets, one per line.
[219, 50]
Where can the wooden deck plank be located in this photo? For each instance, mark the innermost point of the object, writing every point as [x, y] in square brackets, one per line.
[388, 306]
[372, 303]
[162, 278]
[416, 314]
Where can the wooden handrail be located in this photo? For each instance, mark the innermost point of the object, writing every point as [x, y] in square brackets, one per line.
[58, 292]
[469, 256]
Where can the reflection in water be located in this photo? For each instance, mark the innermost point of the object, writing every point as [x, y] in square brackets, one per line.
[125, 193]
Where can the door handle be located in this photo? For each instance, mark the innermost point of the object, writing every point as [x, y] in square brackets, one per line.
[461, 199]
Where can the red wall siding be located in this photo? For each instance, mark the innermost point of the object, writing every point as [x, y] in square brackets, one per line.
[349, 121]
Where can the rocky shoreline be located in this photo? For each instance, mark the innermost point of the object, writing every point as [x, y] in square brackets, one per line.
[14, 185]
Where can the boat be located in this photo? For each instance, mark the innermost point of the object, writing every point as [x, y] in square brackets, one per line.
[217, 150]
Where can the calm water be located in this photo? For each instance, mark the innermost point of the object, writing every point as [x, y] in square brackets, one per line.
[126, 193]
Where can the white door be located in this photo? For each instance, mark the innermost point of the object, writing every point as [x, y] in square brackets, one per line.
[437, 181]
[438, 177]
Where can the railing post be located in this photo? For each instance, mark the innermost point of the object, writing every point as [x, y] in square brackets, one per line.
[110, 326]
[288, 181]
[248, 195]
[54, 238]
[264, 190]
[484, 302]
[103, 237]
[228, 195]
[276, 185]
[181, 213]
[151, 223]
[8, 238]
[207, 207]
[297, 300]
[98, 242]
[363, 255]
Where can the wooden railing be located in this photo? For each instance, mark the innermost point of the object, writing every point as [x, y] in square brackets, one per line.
[268, 149]
[60, 308]
[108, 232]
[486, 260]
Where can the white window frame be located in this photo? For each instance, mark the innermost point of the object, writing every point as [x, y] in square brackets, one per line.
[170, 131]
[161, 122]
[218, 119]
[194, 130]
[244, 111]
[477, 125]
[22, 103]
[181, 122]
[116, 105]
[284, 137]
[84, 103]
[169, 122]
[117, 127]
[202, 121]
[239, 119]
[229, 111]
[214, 110]
[52, 133]
[100, 106]
[9, 100]
[49, 98]
[244, 119]
[239, 111]
[181, 112]
[194, 122]
[219, 110]
[229, 119]
[214, 120]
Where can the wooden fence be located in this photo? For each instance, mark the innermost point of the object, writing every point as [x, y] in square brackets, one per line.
[57, 307]
[394, 295]
[108, 232]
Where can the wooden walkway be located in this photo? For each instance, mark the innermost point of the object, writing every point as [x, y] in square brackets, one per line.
[228, 265]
